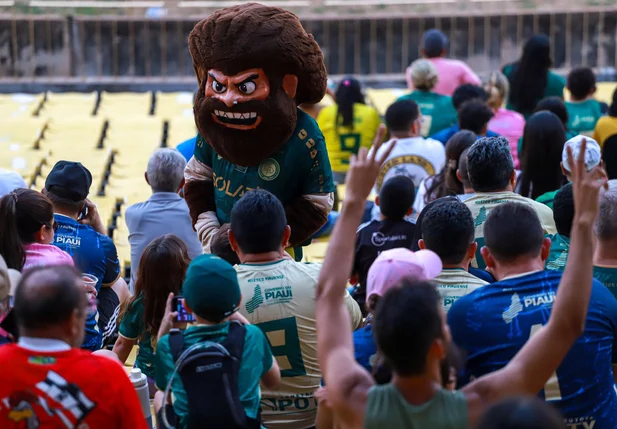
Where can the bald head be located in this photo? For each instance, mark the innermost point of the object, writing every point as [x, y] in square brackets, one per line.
[606, 224]
[47, 297]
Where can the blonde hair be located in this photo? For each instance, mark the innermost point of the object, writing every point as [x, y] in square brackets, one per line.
[424, 74]
[497, 87]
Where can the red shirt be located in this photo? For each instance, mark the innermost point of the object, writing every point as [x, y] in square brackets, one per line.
[65, 389]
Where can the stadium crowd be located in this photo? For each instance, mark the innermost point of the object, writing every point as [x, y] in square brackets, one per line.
[470, 278]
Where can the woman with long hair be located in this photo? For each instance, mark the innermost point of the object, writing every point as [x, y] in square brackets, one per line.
[27, 228]
[347, 126]
[162, 268]
[445, 182]
[508, 123]
[530, 77]
[607, 125]
[544, 138]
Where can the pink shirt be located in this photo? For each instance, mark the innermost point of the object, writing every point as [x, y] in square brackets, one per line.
[45, 254]
[452, 74]
[511, 125]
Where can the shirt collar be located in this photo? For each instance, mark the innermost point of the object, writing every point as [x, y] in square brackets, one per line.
[43, 344]
[515, 276]
[64, 218]
[164, 196]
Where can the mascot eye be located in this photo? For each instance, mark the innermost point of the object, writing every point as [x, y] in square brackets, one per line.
[218, 87]
[247, 87]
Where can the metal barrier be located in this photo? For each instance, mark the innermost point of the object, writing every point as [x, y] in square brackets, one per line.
[50, 48]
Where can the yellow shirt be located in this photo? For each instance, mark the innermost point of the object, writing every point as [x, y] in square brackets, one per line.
[341, 141]
[605, 127]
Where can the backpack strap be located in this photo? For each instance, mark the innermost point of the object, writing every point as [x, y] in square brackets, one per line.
[234, 343]
[176, 343]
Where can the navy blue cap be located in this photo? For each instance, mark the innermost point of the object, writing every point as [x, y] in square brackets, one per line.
[69, 180]
[434, 42]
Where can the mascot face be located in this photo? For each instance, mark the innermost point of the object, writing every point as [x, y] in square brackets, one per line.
[254, 65]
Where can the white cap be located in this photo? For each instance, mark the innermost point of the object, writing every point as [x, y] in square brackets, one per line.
[593, 153]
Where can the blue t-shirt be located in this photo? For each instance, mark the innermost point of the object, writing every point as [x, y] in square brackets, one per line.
[494, 322]
[444, 135]
[187, 148]
[94, 254]
[364, 346]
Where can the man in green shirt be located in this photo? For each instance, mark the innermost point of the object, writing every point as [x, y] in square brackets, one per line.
[447, 229]
[563, 214]
[605, 255]
[212, 294]
[411, 329]
[583, 111]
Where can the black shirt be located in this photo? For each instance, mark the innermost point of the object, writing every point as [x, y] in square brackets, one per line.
[373, 238]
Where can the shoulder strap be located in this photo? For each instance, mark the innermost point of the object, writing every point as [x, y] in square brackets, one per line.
[176, 343]
[234, 343]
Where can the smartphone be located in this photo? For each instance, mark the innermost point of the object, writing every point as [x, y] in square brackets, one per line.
[84, 213]
[178, 305]
[9, 324]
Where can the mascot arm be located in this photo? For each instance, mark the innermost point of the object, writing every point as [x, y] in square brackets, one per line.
[199, 196]
[306, 214]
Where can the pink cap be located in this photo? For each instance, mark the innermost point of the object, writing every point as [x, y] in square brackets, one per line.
[393, 265]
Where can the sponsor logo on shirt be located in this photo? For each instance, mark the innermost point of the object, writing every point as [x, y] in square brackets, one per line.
[42, 360]
[540, 299]
[379, 239]
[401, 160]
[69, 241]
[269, 169]
[580, 423]
[513, 310]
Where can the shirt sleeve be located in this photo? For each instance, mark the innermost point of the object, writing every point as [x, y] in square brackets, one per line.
[457, 321]
[354, 311]
[610, 305]
[469, 76]
[255, 336]
[130, 415]
[319, 178]
[164, 363]
[203, 151]
[130, 326]
[112, 264]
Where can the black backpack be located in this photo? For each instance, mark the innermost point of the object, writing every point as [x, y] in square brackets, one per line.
[209, 373]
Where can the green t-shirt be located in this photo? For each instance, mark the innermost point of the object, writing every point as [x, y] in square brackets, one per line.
[387, 408]
[583, 116]
[559, 253]
[438, 112]
[555, 85]
[133, 327]
[256, 361]
[301, 167]
[547, 198]
[608, 277]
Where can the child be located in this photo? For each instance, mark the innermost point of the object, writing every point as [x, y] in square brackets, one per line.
[583, 110]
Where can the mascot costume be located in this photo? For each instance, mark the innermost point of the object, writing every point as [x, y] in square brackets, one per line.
[255, 64]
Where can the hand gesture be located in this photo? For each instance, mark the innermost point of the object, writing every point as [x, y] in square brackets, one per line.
[169, 318]
[93, 218]
[364, 168]
[586, 186]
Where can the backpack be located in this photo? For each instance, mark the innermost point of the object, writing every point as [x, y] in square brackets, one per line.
[209, 372]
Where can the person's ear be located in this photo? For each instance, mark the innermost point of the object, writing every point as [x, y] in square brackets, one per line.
[471, 250]
[377, 201]
[286, 236]
[290, 85]
[488, 258]
[438, 349]
[409, 212]
[513, 179]
[485, 129]
[459, 176]
[421, 244]
[563, 170]
[146, 177]
[593, 91]
[179, 187]
[233, 243]
[40, 234]
[546, 248]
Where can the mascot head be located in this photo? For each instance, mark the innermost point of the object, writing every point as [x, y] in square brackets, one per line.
[254, 64]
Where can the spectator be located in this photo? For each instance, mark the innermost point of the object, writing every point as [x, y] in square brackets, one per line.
[220, 246]
[474, 116]
[511, 311]
[530, 77]
[413, 156]
[46, 381]
[389, 232]
[541, 164]
[27, 228]
[462, 174]
[447, 181]
[521, 413]
[563, 214]
[347, 126]
[437, 110]
[507, 123]
[492, 176]
[463, 94]
[583, 110]
[411, 330]
[448, 230]
[165, 212]
[605, 255]
[82, 235]
[593, 157]
[161, 271]
[451, 73]
[212, 294]
[279, 296]
[557, 106]
[9, 181]
[8, 281]
[607, 125]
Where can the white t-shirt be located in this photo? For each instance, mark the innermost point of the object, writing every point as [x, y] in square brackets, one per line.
[453, 283]
[279, 297]
[414, 157]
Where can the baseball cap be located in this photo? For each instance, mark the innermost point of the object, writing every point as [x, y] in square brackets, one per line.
[8, 280]
[434, 42]
[211, 287]
[424, 74]
[593, 153]
[391, 266]
[70, 180]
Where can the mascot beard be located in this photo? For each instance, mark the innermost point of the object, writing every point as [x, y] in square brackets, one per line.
[269, 120]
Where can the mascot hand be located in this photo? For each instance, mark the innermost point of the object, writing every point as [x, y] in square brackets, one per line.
[206, 226]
